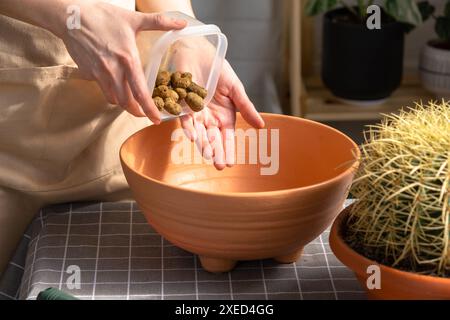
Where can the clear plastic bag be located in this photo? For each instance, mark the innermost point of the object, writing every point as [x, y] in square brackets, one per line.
[198, 49]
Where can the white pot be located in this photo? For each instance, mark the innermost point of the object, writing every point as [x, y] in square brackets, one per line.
[435, 70]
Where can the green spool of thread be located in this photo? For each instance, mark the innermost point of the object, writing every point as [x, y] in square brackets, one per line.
[54, 294]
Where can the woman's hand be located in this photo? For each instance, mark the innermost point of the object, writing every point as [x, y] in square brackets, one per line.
[213, 128]
[105, 51]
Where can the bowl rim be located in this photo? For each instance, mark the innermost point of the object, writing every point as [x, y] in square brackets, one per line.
[348, 171]
[357, 262]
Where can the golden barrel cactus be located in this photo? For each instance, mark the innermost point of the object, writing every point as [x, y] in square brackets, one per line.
[402, 215]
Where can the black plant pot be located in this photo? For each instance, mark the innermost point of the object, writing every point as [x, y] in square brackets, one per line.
[359, 63]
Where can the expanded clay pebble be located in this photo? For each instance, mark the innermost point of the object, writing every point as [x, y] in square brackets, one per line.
[187, 75]
[181, 93]
[193, 87]
[163, 78]
[159, 103]
[172, 107]
[174, 95]
[161, 91]
[194, 101]
[172, 88]
[165, 92]
[181, 80]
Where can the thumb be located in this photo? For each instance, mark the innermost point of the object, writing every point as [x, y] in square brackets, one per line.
[158, 21]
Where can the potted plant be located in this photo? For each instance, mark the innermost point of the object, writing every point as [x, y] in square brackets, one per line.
[360, 64]
[396, 236]
[435, 57]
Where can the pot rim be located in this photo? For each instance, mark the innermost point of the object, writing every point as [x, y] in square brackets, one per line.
[430, 46]
[327, 16]
[357, 262]
[257, 194]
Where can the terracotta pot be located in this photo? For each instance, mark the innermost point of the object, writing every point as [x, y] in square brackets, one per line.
[394, 283]
[239, 214]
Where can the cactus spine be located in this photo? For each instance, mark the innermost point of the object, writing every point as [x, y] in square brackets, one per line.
[402, 217]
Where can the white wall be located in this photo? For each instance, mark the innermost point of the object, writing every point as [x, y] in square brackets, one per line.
[253, 33]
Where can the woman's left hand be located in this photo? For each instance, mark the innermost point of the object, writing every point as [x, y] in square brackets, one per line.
[213, 128]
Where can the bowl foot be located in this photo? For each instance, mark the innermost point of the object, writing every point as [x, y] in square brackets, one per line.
[289, 258]
[217, 265]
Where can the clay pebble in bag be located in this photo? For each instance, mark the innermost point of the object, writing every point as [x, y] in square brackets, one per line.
[171, 89]
[168, 64]
[172, 107]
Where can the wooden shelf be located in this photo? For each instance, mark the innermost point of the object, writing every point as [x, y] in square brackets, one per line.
[320, 105]
[307, 95]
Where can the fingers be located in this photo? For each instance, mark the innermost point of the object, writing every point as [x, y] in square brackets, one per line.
[245, 106]
[133, 106]
[229, 145]
[107, 91]
[202, 141]
[216, 143]
[138, 87]
[157, 21]
[187, 123]
[122, 82]
[211, 141]
[117, 91]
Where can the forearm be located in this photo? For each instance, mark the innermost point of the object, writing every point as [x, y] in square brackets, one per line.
[184, 6]
[47, 14]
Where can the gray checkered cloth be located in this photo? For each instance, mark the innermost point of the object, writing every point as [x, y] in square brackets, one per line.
[121, 257]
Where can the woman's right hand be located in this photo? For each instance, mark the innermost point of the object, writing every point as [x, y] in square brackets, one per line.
[105, 50]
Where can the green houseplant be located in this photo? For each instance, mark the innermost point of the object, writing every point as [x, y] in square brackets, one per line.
[435, 57]
[406, 11]
[401, 219]
[359, 63]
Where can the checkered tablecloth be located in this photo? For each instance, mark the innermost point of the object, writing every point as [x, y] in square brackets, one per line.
[121, 257]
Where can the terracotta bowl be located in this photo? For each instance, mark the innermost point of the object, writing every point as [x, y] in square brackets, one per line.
[239, 214]
[394, 284]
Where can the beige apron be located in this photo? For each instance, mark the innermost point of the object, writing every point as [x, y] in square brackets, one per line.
[59, 138]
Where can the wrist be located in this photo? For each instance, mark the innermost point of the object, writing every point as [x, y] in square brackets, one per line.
[64, 15]
[55, 20]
